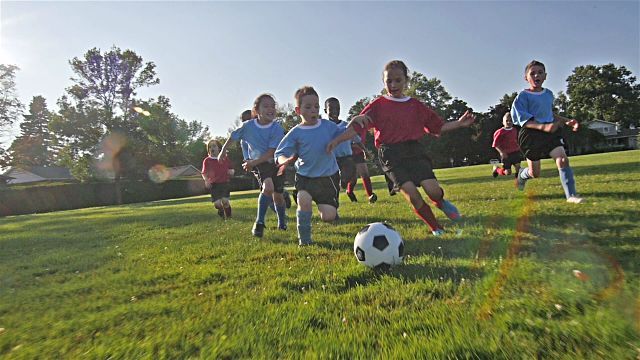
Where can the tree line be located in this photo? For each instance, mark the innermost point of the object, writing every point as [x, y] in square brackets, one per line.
[101, 126]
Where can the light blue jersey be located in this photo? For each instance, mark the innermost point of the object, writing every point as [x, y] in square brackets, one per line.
[310, 143]
[536, 105]
[344, 148]
[259, 138]
[245, 149]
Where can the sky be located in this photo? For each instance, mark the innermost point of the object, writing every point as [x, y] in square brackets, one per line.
[214, 58]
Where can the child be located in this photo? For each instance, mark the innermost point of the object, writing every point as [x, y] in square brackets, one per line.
[399, 122]
[246, 116]
[216, 173]
[344, 152]
[317, 176]
[505, 140]
[262, 136]
[360, 155]
[538, 137]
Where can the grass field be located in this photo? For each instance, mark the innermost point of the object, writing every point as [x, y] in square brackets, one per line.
[170, 279]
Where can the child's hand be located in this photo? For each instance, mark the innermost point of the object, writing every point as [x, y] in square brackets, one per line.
[362, 120]
[248, 165]
[283, 166]
[368, 155]
[330, 146]
[467, 119]
[573, 123]
[551, 127]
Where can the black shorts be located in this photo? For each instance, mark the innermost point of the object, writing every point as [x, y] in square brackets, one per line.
[513, 158]
[323, 190]
[269, 170]
[537, 144]
[219, 191]
[406, 161]
[347, 170]
[358, 158]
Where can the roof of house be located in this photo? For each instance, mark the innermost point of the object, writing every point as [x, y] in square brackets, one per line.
[185, 170]
[46, 172]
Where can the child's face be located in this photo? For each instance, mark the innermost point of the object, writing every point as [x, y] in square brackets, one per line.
[309, 109]
[333, 109]
[267, 110]
[535, 76]
[394, 82]
[214, 150]
[507, 121]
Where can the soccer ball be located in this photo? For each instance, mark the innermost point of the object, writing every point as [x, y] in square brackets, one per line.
[378, 245]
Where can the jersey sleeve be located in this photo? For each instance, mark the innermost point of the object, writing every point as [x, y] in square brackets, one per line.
[520, 110]
[369, 110]
[287, 146]
[238, 133]
[431, 121]
[496, 139]
[204, 166]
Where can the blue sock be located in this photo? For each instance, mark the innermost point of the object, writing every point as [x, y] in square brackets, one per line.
[282, 215]
[567, 181]
[304, 226]
[263, 205]
[524, 174]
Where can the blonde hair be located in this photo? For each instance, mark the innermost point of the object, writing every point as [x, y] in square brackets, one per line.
[256, 103]
[304, 91]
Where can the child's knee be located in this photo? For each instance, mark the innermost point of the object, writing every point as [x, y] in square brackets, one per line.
[562, 162]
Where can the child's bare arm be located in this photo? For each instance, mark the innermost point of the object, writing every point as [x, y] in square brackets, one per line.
[249, 164]
[348, 134]
[464, 121]
[573, 123]
[223, 150]
[548, 127]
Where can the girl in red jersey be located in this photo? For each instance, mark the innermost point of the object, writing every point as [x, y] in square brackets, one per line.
[399, 122]
[216, 173]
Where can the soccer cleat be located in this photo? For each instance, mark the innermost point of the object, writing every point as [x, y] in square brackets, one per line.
[304, 243]
[495, 171]
[438, 232]
[373, 198]
[352, 196]
[258, 230]
[450, 210]
[520, 182]
[575, 199]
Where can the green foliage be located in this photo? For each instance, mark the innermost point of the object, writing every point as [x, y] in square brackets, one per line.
[606, 92]
[169, 279]
[34, 144]
[10, 105]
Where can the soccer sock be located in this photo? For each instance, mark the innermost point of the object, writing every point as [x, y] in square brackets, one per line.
[438, 201]
[263, 205]
[366, 181]
[227, 211]
[427, 216]
[282, 216]
[567, 181]
[524, 174]
[501, 171]
[304, 226]
[351, 185]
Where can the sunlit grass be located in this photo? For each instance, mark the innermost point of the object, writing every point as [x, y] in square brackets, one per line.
[170, 279]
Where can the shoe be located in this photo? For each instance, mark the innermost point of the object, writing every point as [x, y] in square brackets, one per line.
[520, 182]
[221, 213]
[373, 198]
[450, 210]
[575, 199]
[495, 171]
[287, 199]
[283, 227]
[258, 230]
[352, 196]
[392, 192]
[438, 232]
[301, 243]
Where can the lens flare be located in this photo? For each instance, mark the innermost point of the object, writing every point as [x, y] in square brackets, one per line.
[159, 173]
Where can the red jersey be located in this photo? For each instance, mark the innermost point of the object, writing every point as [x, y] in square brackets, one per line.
[506, 140]
[400, 120]
[216, 171]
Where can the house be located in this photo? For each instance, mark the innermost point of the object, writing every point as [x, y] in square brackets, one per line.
[615, 136]
[28, 174]
[183, 171]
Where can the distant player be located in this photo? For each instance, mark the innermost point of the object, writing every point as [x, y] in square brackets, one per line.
[215, 173]
[539, 136]
[505, 141]
[360, 157]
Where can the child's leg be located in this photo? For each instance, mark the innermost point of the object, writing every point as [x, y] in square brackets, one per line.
[264, 200]
[281, 210]
[327, 212]
[411, 194]
[363, 171]
[226, 204]
[304, 217]
[218, 205]
[436, 194]
[533, 171]
[565, 172]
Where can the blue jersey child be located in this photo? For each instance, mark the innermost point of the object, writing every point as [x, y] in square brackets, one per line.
[539, 137]
[317, 176]
[262, 136]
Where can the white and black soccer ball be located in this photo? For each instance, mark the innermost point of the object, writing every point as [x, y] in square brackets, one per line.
[378, 245]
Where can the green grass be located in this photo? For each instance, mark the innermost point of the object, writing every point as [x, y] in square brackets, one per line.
[169, 279]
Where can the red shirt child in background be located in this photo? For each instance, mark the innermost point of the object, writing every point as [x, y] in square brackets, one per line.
[505, 140]
[216, 174]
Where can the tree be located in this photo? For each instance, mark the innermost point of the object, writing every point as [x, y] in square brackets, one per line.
[10, 105]
[429, 91]
[33, 145]
[604, 92]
